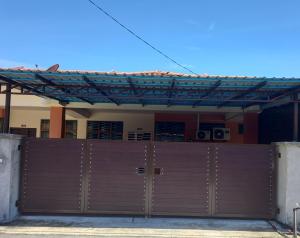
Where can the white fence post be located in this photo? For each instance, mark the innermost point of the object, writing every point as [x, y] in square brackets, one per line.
[9, 176]
[288, 180]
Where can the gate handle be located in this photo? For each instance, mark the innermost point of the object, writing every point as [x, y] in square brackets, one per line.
[158, 171]
[140, 170]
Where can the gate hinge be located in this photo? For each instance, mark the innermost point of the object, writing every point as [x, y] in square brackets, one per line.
[19, 147]
[277, 210]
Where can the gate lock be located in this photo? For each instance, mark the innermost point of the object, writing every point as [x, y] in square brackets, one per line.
[158, 171]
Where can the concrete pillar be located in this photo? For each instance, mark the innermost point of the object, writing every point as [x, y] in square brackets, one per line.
[9, 176]
[6, 122]
[251, 128]
[288, 180]
[2, 112]
[57, 122]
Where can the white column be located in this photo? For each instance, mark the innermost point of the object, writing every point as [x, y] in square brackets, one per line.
[9, 176]
[288, 180]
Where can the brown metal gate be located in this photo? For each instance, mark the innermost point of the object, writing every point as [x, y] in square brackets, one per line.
[146, 178]
[52, 175]
[116, 177]
[181, 179]
[243, 181]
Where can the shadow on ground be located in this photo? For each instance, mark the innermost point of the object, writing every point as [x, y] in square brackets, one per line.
[138, 222]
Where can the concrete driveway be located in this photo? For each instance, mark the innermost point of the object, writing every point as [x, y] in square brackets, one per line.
[43, 226]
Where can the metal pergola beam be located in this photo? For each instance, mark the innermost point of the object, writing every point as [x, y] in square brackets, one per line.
[12, 87]
[48, 82]
[278, 95]
[145, 88]
[133, 88]
[100, 90]
[153, 97]
[209, 91]
[171, 90]
[241, 95]
[30, 89]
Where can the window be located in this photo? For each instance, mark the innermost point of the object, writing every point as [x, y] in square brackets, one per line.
[105, 130]
[45, 126]
[169, 131]
[241, 129]
[71, 129]
[28, 132]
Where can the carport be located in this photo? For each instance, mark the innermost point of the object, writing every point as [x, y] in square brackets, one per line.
[151, 88]
[149, 178]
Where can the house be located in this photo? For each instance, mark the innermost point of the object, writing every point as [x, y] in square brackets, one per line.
[149, 143]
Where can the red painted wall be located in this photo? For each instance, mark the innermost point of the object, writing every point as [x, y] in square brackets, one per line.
[212, 118]
[250, 135]
[189, 119]
[235, 137]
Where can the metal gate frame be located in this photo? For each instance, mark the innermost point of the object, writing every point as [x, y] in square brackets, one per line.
[149, 179]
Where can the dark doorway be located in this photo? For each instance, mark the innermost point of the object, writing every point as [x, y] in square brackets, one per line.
[276, 124]
[169, 131]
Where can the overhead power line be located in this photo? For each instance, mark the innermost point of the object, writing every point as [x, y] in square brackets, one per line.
[140, 38]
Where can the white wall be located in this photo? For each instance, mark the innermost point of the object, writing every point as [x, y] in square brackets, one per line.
[28, 118]
[9, 176]
[288, 180]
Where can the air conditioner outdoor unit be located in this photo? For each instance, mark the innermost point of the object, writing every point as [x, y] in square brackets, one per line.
[203, 135]
[221, 134]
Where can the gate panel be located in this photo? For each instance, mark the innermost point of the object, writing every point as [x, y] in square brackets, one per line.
[181, 179]
[244, 181]
[116, 177]
[52, 171]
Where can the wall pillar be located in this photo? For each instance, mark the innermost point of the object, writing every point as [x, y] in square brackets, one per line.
[251, 128]
[7, 109]
[9, 176]
[288, 178]
[57, 122]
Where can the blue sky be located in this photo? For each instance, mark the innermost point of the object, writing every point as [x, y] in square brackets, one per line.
[232, 37]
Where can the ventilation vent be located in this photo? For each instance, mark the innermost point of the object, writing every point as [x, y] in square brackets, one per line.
[139, 135]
